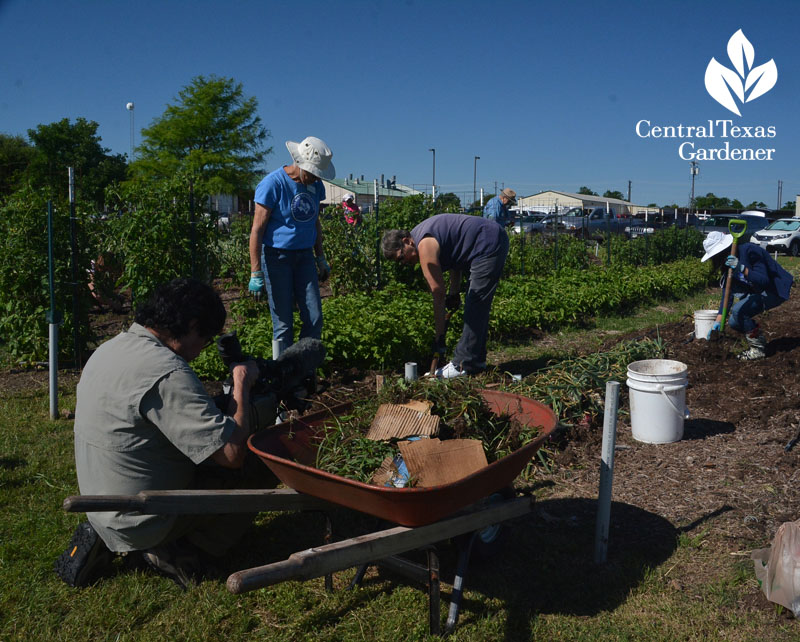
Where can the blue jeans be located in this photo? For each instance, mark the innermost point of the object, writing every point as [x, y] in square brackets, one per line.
[291, 278]
[484, 275]
[743, 311]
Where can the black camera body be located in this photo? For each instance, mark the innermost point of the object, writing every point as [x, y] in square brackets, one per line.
[283, 383]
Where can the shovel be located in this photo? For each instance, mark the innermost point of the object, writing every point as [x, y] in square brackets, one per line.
[732, 224]
[437, 356]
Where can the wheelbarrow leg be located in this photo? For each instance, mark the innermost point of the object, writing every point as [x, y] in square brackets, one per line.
[464, 550]
[328, 538]
[359, 576]
[433, 592]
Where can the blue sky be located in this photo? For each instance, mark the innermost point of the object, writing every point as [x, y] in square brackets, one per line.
[547, 94]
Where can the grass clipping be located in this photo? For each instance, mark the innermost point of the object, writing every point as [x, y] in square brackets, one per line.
[346, 451]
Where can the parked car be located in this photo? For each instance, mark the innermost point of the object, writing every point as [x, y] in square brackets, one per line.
[594, 222]
[719, 223]
[529, 223]
[782, 235]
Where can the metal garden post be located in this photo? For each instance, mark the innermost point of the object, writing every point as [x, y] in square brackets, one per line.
[192, 226]
[377, 239]
[54, 318]
[73, 238]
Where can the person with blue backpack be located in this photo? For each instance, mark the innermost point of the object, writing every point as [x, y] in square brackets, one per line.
[759, 284]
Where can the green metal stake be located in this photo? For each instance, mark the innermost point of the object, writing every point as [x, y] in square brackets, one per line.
[73, 237]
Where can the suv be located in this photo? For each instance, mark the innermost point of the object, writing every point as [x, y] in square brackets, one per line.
[782, 235]
[719, 223]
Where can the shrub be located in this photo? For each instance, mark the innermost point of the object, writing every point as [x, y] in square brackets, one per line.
[153, 235]
[24, 284]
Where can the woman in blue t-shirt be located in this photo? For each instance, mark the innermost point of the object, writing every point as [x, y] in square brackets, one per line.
[285, 237]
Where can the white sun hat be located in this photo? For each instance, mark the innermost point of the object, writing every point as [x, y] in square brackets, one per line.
[348, 197]
[312, 155]
[715, 243]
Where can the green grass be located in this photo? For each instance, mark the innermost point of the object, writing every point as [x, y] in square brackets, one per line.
[543, 585]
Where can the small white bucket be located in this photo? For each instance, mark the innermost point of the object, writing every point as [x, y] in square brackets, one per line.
[658, 399]
[703, 322]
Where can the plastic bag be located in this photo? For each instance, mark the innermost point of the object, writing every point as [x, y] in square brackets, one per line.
[778, 567]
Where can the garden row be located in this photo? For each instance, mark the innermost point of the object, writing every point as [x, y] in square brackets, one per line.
[384, 328]
[380, 312]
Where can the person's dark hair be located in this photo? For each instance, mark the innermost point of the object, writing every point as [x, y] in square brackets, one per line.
[392, 242]
[173, 306]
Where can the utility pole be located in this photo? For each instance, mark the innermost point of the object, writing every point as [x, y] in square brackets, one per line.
[695, 170]
[629, 191]
[129, 107]
[433, 185]
[474, 176]
[780, 194]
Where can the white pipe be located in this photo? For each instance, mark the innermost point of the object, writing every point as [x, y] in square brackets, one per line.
[606, 473]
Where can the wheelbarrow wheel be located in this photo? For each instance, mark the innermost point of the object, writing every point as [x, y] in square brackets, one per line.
[489, 540]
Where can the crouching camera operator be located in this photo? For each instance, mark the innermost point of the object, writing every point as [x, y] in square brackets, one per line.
[144, 421]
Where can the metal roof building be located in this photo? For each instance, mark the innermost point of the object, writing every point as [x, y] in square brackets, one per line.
[364, 190]
[555, 201]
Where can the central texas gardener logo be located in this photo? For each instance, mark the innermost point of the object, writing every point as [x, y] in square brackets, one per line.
[723, 83]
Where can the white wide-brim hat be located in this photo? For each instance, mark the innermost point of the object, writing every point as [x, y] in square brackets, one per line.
[312, 155]
[715, 243]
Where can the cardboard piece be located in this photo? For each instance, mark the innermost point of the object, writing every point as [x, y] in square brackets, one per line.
[420, 406]
[432, 462]
[393, 421]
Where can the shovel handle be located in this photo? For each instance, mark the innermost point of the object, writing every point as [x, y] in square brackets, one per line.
[438, 355]
[729, 280]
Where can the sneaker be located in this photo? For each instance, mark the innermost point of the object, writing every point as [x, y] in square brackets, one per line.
[757, 348]
[752, 353]
[85, 559]
[450, 371]
[181, 565]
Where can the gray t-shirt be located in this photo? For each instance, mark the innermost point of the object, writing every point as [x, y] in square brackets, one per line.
[462, 238]
[143, 421]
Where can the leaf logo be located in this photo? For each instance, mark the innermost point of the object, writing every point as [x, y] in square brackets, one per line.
[723, 83]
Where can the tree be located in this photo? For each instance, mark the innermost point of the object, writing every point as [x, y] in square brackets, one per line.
[760, 205]
[711, 202]
[615, 194]
[61, 145]
[15, 156]
[448, 202]
[790, 205]
[476, 205]
[212, 132]
[585, 190]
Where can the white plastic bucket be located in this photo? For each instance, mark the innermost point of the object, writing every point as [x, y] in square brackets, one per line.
[658, 399]
[703, 321]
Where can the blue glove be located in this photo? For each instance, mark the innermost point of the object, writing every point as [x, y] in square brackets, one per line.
[323, 269]
[257, 286]
[713, 328]
[732, 262]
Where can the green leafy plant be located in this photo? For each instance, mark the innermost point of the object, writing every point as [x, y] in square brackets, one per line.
[24, 289]
[155, 235]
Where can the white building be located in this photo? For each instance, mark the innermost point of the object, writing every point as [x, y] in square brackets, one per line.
[555, 201]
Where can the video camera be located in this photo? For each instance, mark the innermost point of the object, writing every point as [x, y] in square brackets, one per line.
[285, 382]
